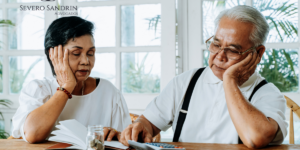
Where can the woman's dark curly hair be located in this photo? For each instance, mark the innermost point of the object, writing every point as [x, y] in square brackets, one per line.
[63, 29]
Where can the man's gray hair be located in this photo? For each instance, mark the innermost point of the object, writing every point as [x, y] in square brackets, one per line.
[249, 14]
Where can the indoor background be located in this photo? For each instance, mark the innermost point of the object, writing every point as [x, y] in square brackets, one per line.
[142, 45]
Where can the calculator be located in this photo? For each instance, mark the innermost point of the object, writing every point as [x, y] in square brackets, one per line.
[153, 146]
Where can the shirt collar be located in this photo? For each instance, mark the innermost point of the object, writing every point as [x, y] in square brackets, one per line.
[210, 78]
[249, 83]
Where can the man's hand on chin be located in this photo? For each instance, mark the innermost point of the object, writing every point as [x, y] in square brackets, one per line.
[241, 71]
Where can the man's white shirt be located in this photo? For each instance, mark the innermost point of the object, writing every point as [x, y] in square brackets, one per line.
[208, 119]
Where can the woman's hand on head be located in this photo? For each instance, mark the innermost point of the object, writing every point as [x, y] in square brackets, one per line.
[64, 75]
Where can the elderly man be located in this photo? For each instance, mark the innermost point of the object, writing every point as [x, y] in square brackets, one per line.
[227, 102]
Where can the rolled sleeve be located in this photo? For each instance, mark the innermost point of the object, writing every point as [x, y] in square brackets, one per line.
[32, 96]
[156, 118]
[272, 104]
[160, 112]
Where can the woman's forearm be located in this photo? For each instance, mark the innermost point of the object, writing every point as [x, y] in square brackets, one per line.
[40, 121]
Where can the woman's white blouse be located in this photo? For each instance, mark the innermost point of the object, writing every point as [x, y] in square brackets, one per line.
[105, 105]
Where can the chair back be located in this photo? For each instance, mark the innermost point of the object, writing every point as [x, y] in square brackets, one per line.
[11, 137]
[296, 109]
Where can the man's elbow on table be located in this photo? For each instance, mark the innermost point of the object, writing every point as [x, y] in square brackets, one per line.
[261, 139]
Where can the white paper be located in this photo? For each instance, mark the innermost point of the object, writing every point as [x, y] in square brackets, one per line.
[71, 132]
[63, 137]
[115, 144]
[76, 128]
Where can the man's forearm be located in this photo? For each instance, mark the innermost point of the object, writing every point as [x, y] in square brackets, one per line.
[253, 127]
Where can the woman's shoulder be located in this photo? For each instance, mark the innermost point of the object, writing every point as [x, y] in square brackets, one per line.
[46, 81]
[39, 86]
[107, 88]
[107, 84]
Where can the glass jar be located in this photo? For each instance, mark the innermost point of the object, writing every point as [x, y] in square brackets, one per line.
[94, 138]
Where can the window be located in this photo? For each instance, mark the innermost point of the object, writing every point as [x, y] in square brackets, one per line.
[21, 51]
[1, 79]
[140, 72]
[23, 69]
[135, 39]
[26, 35]
[21, 43]
[22, 1]
[134, 48]
[104, 19]
[1, 30]
[280, 62]
[141, 25]
[105, 66]
[211, 8]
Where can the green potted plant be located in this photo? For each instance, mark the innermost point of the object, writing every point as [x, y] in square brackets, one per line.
[5, 103]
[5, 23]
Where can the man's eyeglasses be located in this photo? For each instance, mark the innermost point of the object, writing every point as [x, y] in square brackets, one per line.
[231, 53]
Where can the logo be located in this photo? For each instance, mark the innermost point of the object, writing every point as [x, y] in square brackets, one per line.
[59, 9]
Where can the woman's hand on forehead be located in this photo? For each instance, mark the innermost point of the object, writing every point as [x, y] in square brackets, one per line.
[64, 74]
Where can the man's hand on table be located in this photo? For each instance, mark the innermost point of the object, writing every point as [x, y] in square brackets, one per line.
[134, 132]
[141, 130]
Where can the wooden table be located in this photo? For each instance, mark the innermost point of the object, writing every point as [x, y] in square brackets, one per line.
[16, 144]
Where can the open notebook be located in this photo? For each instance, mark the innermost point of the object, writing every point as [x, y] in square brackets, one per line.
[72, 134]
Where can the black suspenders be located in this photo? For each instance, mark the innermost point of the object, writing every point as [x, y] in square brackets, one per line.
[185, 105]
[187, 98]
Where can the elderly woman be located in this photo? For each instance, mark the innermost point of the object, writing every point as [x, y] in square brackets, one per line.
[71, 93]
